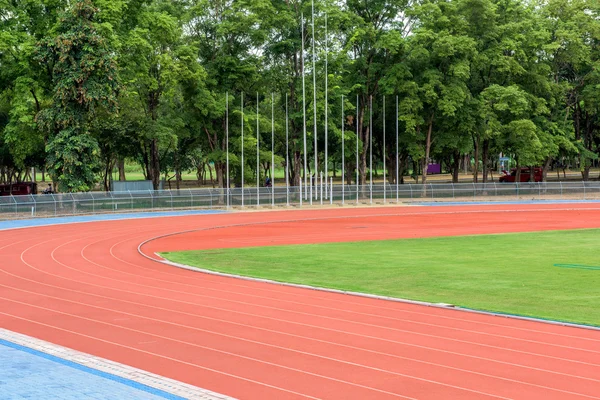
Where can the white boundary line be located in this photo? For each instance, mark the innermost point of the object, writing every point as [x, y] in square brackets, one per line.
[359, 294]
[65, 265]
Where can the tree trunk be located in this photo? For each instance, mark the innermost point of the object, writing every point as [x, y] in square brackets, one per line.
[210, 171]
[484, 158]
[455, 166]
[476, 160]
[121, 166]
[518, 174]
[547, 165]
[296, 170]
[219, 166]
[427, 152]
[531, 174]
[155, 164]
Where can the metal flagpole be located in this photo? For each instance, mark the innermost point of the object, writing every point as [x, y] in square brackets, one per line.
[371, 149]
[384, 194]
[227, 144]
[397, 165]
[272, 150]
[257, 155]
[322, 187]
[343, 155]
[357, 106]
[287, 155]
[314, 58]
[242, 101]
[304, 116]
[326, 89]
[331, 191]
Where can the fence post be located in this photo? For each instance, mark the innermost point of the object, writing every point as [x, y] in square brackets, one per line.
[584, 193]
[131, 198]
[34, 208]
[192, 199]
[16, 207]
[54, 201]
[561, 190]
[495, 190]
[453, 196]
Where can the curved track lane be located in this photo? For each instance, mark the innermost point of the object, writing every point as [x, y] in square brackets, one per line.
[86, 286]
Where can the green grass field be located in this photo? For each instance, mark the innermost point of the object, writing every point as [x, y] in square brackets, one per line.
[509, 273]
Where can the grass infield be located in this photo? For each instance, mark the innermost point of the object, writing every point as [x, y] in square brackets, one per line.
[553, 275]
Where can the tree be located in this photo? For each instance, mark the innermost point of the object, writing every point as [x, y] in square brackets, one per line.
[84, 80]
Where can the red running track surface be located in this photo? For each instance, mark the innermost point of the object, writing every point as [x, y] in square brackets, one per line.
[85, 286]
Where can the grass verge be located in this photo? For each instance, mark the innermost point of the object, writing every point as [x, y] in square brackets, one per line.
[509, 273]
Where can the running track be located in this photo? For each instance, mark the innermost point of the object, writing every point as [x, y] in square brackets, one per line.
[86, 286]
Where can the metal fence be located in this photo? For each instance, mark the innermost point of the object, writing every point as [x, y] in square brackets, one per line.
[12, 207]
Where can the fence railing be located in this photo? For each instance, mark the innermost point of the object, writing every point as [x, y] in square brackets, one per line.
[66, 204]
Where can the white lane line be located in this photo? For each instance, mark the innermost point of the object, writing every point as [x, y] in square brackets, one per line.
[157, 355]
[298, 324]
[245, 304]
[234, 354]
[303, 352]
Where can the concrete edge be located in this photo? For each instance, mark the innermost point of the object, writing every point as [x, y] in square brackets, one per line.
[122, 371]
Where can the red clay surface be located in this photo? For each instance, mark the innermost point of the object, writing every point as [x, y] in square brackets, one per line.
[85, 286]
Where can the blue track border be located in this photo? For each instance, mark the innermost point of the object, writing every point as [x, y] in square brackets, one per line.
[37, 222]
[101, 374]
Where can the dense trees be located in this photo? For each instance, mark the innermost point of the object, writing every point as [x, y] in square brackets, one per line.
[88, 84]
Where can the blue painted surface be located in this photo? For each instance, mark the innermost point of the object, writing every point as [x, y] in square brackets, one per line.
[489, 203]
[26, 223]
[29, 374]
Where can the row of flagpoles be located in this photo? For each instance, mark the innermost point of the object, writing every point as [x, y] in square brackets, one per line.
[306, 190]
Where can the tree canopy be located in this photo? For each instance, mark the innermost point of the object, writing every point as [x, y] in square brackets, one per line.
[88, 84]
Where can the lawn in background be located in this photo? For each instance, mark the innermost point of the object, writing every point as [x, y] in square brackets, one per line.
[509, 273]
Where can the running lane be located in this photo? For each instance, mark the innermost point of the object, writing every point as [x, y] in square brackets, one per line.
[86, 286]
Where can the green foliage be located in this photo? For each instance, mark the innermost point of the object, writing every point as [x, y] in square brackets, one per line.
[478, 77]
[84, 81]
[75, 160]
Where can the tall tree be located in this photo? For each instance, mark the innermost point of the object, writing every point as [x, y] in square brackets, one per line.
[84, 80]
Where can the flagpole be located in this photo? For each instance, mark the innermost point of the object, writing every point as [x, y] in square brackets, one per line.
[314, 59]
[371, 149]
[287, 154]
[304, 115]
[384, 150]
[326, 89]
[357, 107]
[397, 164]
[227, 144]
[257, 155]
[343, 154]
[242, 106]
[272, 150]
